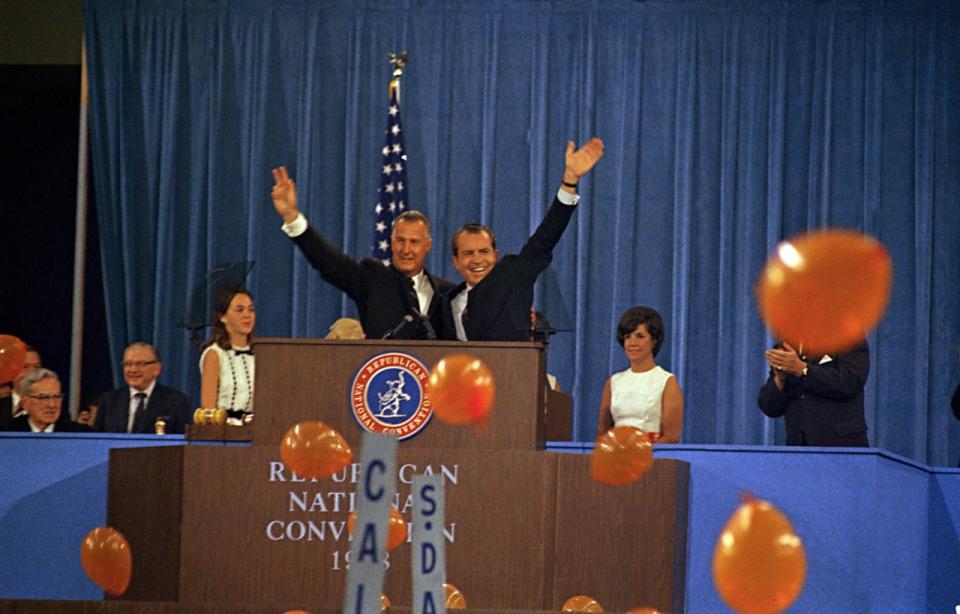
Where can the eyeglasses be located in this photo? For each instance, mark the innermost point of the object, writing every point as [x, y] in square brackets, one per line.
[43, 398]
[139, 364]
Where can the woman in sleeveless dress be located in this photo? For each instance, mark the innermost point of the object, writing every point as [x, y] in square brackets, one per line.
[227, 364]
[645, 395]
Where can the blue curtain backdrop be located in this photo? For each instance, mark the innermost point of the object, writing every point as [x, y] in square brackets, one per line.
[728, 126]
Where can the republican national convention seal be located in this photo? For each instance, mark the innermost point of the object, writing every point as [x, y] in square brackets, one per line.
[388, 395]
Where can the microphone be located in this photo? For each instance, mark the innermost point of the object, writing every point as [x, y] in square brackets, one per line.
[390, 334]
[431, 334]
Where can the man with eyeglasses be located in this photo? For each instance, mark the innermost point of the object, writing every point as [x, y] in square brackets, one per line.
[42, 399]
[136, 407]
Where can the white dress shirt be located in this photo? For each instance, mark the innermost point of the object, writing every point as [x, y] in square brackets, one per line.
[424, 290]
[458, 305]
[132, 410]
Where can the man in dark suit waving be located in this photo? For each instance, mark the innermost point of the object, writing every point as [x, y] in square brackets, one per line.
[135, 408]
[400, 300]
[493, 303]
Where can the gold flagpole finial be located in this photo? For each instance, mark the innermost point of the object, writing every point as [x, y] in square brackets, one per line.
[399, 63]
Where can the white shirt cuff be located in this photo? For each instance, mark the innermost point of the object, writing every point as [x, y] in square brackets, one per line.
[567, 198]
[295, 228]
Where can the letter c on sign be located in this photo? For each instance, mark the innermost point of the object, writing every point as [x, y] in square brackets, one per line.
[370, 494]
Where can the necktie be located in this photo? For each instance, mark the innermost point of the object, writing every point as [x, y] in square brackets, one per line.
[138, 417]
[413, 293]
[464, 319]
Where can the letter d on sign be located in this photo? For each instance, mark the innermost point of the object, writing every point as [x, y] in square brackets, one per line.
[375, 489]
[429, 561]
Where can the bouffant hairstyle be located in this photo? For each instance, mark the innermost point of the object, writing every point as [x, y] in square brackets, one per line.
[634, 317]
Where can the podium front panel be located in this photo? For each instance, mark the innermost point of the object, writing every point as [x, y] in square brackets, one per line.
[250, 533]
[522, 528]
[304, 379]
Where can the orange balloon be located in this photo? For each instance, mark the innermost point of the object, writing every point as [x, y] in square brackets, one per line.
[822, 292]
[759, 564]
[581, 603]
[621, 456]
[396, 527]
[105, 556]
[454, 598]
[461, 389]
[12, 354]
[314, 450]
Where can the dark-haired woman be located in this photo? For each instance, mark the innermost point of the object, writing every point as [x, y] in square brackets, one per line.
[227, 364]
[644, 396]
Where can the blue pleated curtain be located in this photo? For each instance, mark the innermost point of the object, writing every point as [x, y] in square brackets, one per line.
[729, 126]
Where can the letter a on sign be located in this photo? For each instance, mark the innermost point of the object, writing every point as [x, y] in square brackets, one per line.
[375, 489]
[429, 562]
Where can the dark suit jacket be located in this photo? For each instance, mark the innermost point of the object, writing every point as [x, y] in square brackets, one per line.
[22, 425]
[6, 412]
[382, 294]
[825, 408]
[498, 308]
[114, 407]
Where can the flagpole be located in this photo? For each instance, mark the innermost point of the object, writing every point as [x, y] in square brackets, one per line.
[392, 195]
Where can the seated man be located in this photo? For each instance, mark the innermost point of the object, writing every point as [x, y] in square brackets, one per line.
[136, 407]
[42, 402]
[493, 303]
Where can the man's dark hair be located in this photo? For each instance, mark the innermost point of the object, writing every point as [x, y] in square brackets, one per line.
[473, 228]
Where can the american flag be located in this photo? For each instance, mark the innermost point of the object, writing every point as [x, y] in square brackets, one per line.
[393, 182]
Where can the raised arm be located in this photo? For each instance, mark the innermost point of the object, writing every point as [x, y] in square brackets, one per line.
[284, 195]
[537, 252]
[579, 162]
[333, 265]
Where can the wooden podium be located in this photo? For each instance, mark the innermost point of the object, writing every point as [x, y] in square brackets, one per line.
[526, 529]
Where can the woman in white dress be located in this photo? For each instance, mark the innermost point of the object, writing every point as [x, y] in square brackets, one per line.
[645, 396]
[227, 364]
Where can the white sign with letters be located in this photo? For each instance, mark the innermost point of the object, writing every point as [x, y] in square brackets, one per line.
[429, 562]
[375, 491]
